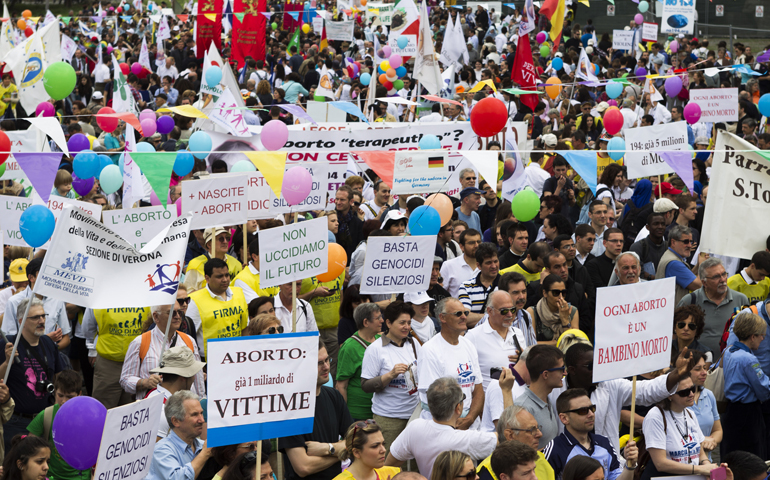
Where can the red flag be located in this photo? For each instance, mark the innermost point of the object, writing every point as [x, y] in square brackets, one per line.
[524, 73]
[209, 30]
[548, 8]
[382, 162]
[247, 31]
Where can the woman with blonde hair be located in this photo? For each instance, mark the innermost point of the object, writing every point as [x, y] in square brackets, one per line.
[263, 324]
[365, 448]
[452, 464]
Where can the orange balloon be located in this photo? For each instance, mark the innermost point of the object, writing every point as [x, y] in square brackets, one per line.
[363, 3]
[383, 78]
[337, 261]
[21, 24]
[26, 14]
[391, 72]
[554, 87]
[443, 206]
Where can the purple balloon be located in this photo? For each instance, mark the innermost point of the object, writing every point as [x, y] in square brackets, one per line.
[82, 187]
[386, 51]
[78, 142]
[692, 112]
[673, 86]
[45, 109]
[77, 431]
[638, 19]
[165, 124]
[674, 46]
[274, 135]
[148, 127]
[541, 37]
[641, 72]
[297, 183]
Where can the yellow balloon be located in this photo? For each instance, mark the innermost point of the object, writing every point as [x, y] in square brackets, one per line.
[385, 65]
[554, 87]
[305, 28]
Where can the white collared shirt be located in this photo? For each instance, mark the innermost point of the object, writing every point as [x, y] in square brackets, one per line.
[456, 272]
[305, 316]
[492, 349]
[54, 309]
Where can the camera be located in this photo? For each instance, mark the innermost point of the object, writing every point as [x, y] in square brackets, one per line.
[44, 386]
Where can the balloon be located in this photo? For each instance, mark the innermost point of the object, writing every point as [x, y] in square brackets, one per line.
[380, 53]
[673, 86]
[443, 206]
[26, 13]
[45, 109]
[544, 50]
[119, 9]
[429, 142]
[5, 148]
[2, 169]
[332, 237]
[21, 24]
[183, 163]
[644, 6]
[424, 220]
[108, 124]
[402, 42]
[124, 68]
[618, 145]
[398, 84]
[305, 28]
[200, 143]
[612, 103]
[692, 113]
[144, 147]
[86, 164]
[136, 68]
[148, 127]
[77, 431]
[164, 124]
[78, 142]
[365, 79]
[388, 86]
[109, 49]
[638, 19]
[641, 72]
[391, 73]
[383, 78]
[396, 60]
[110, 179]
[243, 166]
[145, 114]
[363, 3]
[36, 225]
[554, 87]
[104, 162]
[297, 184]
[274, 26]
[488, 117]
[674, 46]
[541, 37]
[274, 135]
[525, 205]
[597, 69]
[386, 51]
[557, 63]
[178, 204]
[82, 186]
[764, 105]
[401, 71]
[59, 80]
[213, 76]
[337, 261]
[385, 65]
[614, 89]
[613, 120]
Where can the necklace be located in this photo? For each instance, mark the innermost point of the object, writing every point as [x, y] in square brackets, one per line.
[684, 435]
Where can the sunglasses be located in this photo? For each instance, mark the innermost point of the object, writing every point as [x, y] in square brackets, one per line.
[184, 300]
[459, 313]
[687, 391]
[506, 311]
[686, 242]
[557, 293]
[561, 369]
[362, 425]
[691, 326]
[470, 178]
[468, 476]
[272, 330]
[582, 411]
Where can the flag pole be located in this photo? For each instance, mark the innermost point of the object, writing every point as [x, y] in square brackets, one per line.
[18, 337]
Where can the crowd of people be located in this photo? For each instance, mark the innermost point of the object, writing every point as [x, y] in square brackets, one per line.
[489, 372]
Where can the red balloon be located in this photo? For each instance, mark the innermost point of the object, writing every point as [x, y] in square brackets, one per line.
[108, 124]
[387, 85]
[488, 117]
[120, 9]
[613, 120]
[5, 147]
[125, 68]
[29, 32]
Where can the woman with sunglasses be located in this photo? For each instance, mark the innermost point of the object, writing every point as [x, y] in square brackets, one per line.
[263, 324]
[365, 448]
[705, 405]
[689, 322]
[453, 465]
[674, 438]
[553, 314]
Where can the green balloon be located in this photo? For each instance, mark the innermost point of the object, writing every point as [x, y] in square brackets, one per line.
[544, 51]
[319, 98]
[398, 84]
[2, 169]
[59, 80]
[274, 25]
[525, 205]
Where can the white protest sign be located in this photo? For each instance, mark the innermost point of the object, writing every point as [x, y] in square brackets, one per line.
[642, 142]
[216, 200]
[293, 252]
[622, 40]
[678, 16]
[318, 24]
[261, 387]
[138, 226]
[633, 329]
[386, 13]
[716, 104]
[11, 209]
[316, 200]
[259, 194]
[126, 451]
[650, 32]
[342, 31]
[398, 265]
[420, 171]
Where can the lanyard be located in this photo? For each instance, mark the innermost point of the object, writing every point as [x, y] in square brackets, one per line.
[684, 435]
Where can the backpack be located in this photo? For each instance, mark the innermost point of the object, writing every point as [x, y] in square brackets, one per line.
[629, 225]
[590, 198]
[47, 422]
[144, 347]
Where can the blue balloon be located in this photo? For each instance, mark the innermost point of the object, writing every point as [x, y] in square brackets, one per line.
[244, 166]
[429, 142]
[617, 144]
[380, 70]
[401, 71]
[183, 163]
[365, 79]
[200, 144]
[557, 63]
[424, 220]
[86, 164]
[764, 105]
[144, 147]
[402, 42]
[122, 164]
[110, 179]
[36, 225]
[614, 89]
[104, 161]
[213, 76]
[332, 237]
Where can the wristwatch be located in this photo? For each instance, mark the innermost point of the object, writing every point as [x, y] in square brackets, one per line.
[331, 449]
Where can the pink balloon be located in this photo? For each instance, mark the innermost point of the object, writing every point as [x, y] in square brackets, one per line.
[674, 46]
[148, 127]
[154, 200]
[178, 204]
[612, 103]
[136, 68]
[541, 37]
[396, 60]
[45, 109]
[386, 51]
[274, 135]
[638, 19]
[147, 113]
[692, 112]
[297, 184]
[109, 49]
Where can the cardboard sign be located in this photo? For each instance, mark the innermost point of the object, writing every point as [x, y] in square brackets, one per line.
[622, 40]
[138, 226]
[398, 265]
[216, 200]
[293, 252]
[650, 32]
[716, 104]
[259, 194]
[261, 387]
[420, 172]
[678, 16]
[643, 142]
[633, 329]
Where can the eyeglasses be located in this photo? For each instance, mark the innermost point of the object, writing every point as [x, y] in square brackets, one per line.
[691, 326]
[36, 318]
[463, 400]
[571, 246]
[582, 411]
[686, 242]
[717, 276]
[530, 430]
[328, 360]
[687, 391]
[362, 425]
[506, 311]
[459, 313]
[183, 301]
[272, 330]
[356, 204]
[468, 476]
[561, 369]
[557, 293]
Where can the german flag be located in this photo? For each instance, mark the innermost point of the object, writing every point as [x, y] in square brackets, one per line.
[435, 162]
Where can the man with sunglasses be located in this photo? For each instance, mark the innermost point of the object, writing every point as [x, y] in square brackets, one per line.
[545, 364]
[578, 414]
[673, 263]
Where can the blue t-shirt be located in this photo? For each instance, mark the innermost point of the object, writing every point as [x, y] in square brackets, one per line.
[705, 410]
[684, 275]
[473, 220]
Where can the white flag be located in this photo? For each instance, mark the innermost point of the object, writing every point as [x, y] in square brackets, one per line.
[650, 88]
[144, 55]
[5, 11]
[226, 114]
[426, 69]
[31, 89]
[325, 84]
[138, 5]
[7, 38]
[49, 17]
[68, 48]
[164, 31]
[527, 23]
[122, 100]
[585, 69]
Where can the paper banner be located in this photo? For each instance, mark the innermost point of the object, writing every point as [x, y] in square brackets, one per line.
[183, 17]
[352, 109]
[298, 112]
[40, 168]
[185, 111]
[157, 168]
[272, 166]
[381, 162]
[584, 163]
[681, 163]
[51, 127]
[240, 16]
[518, 91]
[127, 117]
[211, 16]
[485, 163]
[481, 84]
[434, 98]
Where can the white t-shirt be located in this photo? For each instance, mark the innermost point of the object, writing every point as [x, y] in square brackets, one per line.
[492, 350]
[682, 438]
[425, 330]
[163, 423]
[424, 440]
[493, 403]
[395, 401]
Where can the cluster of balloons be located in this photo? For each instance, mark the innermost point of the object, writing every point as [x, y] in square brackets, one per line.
[488, 117]
[354, 69]
[87, 166]
[391, 70]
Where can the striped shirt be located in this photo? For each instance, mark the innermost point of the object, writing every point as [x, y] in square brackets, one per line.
[473, 294]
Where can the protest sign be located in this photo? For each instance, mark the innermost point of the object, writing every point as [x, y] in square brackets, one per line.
[622, 40]
[138, 226]
[716, 104]
[84, 253]
[386, 13]
[216, 200]
[293, 252]
[342, 31]
[678, 16]
[259, 193]
[318, 24]
[420, 172]
[261, 387]
[739, 195]
[125, 452]
[642, 142]
[633, 329]
[11, 209]
[398, 265]
[650, 32]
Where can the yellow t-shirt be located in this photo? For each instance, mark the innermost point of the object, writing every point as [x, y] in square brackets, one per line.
[117, 327]
[543, 469]
[325, 309]
[603, 162]
[756, 292]
[233, 266]
[382, 473]
[530, 277]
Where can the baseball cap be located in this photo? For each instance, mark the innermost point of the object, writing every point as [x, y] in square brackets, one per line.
[701, 141]
[550, 140]
[179, 361]
[97, 95]
[668, 189]
[438, 259]
[602, 107]
[212, 232]
[470, 191]
[18, 270]
[392, 216]
[663, 205]
[417, 298]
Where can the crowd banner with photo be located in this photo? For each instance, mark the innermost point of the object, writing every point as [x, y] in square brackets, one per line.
[643, 142]
[420, 171]
[633, 329]
[138, 226]
[716, 104]
[125, 453]
[342, 31]
[216, 200]
[293, 252]
[84, 253]
[261, 387]
[678, 17]
[622, 40]
[398, 264]
[650, 32]
[739, 195]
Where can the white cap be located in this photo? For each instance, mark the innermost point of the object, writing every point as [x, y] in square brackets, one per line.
[417, 298]
[681, 35]
[97, 95]
[392, 216]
